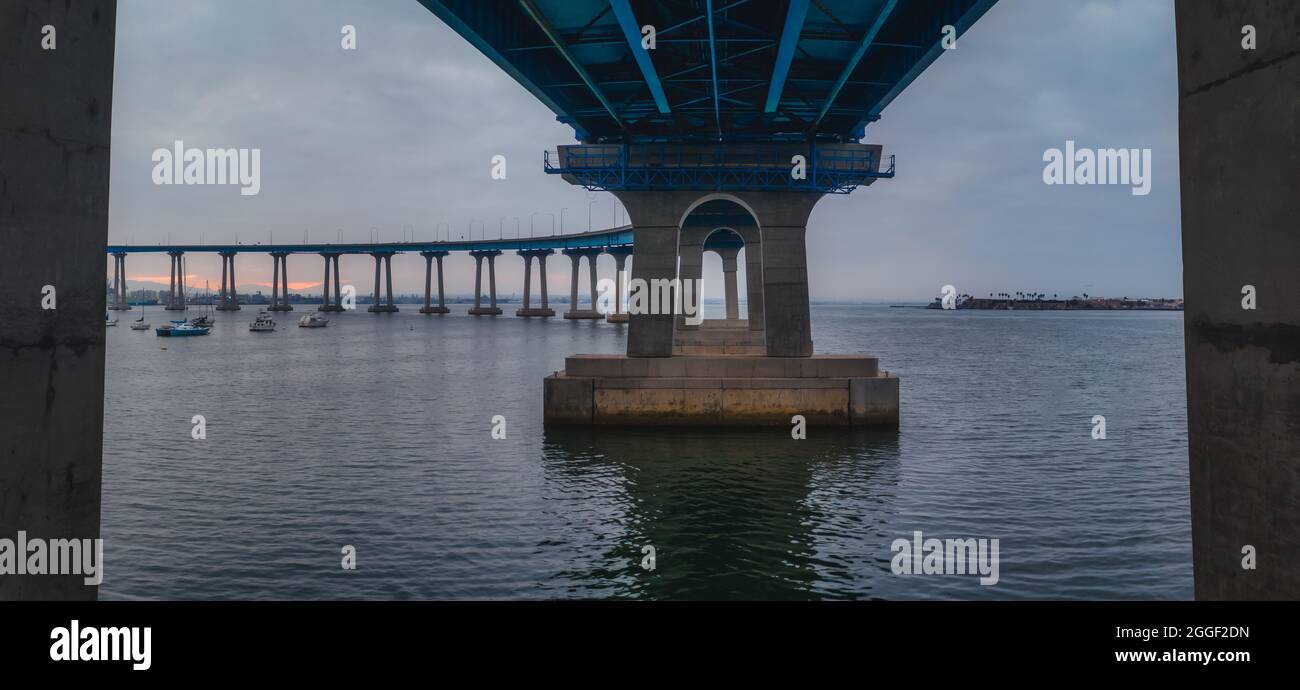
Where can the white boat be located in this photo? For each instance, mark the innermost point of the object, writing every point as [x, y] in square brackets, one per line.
[262, 324]
[139, 324]
[313, 320]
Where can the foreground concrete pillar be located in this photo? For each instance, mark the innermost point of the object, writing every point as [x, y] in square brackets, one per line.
[1239, 221]
[655, 218]
[53, 229]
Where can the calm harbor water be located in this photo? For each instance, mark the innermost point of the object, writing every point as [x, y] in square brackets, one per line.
[375, 433]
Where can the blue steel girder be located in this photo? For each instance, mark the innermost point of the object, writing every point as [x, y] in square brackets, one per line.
[729, 70]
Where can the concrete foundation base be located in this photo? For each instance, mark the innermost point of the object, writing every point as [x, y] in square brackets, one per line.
[329, 307]
[173, 307]
[620, 317]
[535, 311]
[434, 310]
[719, 337]
[484, 311]
[828, 390]
[120, 307]
[280, 307]
[382, 308]
[227, 307]
[583, 314]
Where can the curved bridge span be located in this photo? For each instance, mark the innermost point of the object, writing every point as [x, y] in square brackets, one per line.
[614, 241]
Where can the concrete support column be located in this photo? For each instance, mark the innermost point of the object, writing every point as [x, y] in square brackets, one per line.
[479, 309]
[691, 267]
[620, 255]
[55, 128]
[176, 297]
[374, 299]
[221, 298]
[428, 307]
[576, 259]
[528, 280]
[1239, 229]
[275, 283]
[338, 303]
[280, 296]
[591, 274]
[478, 281]
[528, 309]
[234, 296]
[119, 303]
[325, 287]
[541, 265]
[442, 301]
[729, 282]
[655, 218]
[753, 276]
[388, 276]
[428, 282]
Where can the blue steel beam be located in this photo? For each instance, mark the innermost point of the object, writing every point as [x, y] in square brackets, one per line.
[632, 31]
[962, 23]
[713, 62]
[554, 37]
[794, 17]
[852, 64]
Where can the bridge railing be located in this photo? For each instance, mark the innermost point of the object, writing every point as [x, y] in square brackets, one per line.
[832, 169]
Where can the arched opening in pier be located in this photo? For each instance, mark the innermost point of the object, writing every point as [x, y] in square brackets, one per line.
[719, 245]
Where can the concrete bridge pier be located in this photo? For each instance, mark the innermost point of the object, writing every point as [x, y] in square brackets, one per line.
[176, 290]
[280, 282]
[428, 280]
[228, 300]
[1239, 228]
[326, 303]
[383, 260]
[620, 255]
[576, 255]
[119, 302]
[725, 374]
[528, 309]
[478, 309]
[56, 125]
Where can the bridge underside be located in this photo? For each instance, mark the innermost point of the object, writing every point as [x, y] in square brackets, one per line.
[702, 115]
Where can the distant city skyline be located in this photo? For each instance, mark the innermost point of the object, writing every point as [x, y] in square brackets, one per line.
[397, 137]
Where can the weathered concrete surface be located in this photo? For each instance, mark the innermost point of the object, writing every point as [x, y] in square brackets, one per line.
[1239, 146]
[54, 179]
[725, 390]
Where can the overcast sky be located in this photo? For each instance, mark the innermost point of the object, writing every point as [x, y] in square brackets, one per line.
[398, 135]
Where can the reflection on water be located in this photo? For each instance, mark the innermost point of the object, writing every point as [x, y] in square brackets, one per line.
[376, 433]
[730, 513]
